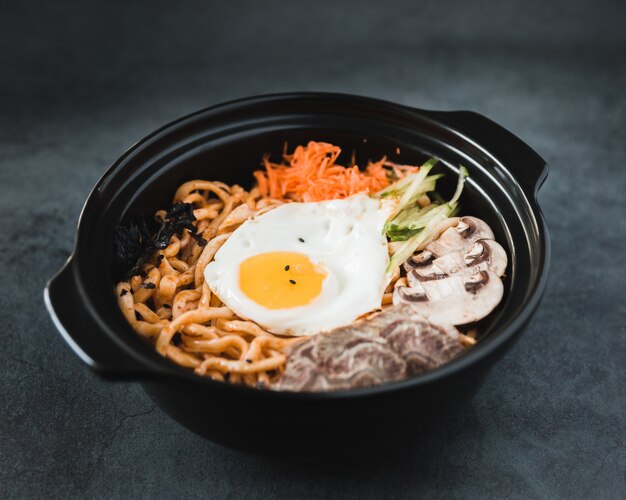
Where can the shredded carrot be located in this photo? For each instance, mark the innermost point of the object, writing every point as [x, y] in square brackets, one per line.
[311, 174]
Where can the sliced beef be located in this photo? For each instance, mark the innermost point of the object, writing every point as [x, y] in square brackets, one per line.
[422, 345]
[387, 347]
[341, 359]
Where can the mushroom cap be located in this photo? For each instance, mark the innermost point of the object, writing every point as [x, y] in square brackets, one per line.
[464, 232]
[482, 255]
[458, 299]
[486, 255]
[473, 228]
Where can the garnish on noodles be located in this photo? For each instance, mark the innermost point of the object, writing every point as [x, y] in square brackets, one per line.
[320, 277]
[311, 173]
[134, 244]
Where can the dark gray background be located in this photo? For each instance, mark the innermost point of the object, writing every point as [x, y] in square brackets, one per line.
[80, 82]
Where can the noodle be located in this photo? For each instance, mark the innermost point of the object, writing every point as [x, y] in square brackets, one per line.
[170, 304]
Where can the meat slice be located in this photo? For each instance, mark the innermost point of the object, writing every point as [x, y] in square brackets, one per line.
[344, 358]
[387, 347]
[422, 345]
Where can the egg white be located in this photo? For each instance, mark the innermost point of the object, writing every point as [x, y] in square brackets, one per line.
[344, 236]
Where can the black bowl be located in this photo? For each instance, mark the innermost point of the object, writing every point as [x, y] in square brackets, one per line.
[226, 143]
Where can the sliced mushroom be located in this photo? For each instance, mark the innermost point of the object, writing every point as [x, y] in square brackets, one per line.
[466, 231]
[458, 299]
[486, 255]
[482, 255]
[456, 278]
[419, 260]
[473, 228]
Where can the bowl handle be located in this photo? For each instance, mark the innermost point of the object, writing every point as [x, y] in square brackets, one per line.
[82, 332]
[521, 160]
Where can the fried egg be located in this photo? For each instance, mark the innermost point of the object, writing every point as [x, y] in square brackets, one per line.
[304, 268]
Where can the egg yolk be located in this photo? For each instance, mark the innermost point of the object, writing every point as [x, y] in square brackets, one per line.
[280, 280]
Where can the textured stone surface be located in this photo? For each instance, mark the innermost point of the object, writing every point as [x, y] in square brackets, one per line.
[80, 82]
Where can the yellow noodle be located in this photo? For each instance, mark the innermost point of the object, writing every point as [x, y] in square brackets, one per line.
[197, 316]
[181, 357]
[127, 306]
[207, 256]
[146, 329]
[215, 375]
[195, 198]
[190, 186]
[211, 229]
[178, 265]
[205, 213]
[242, 326]
[125, 301]
[146, 313]
[181, 299]
[241, 367]
[466, 339]
[135, 281]
[237, 217]
[205, 298]
[187, 277]
[164, 312]
[173, 298]
[185, 239]
[173, 248]
[166, 268]
[166, 290]
[215, 301]
[200, 331]
[153, 278]
[218, 345]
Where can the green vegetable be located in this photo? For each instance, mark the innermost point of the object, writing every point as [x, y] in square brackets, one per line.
[410, 221]
[412, 187]
[416, 225]
[399, 187]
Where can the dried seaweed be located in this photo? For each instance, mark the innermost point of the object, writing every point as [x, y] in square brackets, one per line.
[133, 247]
[135, 243]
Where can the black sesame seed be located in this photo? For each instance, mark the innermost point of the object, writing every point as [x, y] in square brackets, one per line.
[301, 240]
[148, 285]
[286, 268]
[123, 292]
[293, 282]
[167, 306]
[248, 361]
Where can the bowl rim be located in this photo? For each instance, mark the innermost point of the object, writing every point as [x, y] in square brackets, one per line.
[164, 370]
